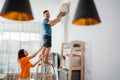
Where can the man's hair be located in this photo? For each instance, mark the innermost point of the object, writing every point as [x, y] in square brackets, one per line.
[45, 11]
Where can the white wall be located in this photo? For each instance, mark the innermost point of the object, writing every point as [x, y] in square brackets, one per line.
[38, 6]
[102, 40]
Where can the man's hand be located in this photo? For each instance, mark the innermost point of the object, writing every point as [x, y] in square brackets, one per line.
[63, 13]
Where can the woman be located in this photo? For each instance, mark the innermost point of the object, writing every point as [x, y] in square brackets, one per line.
[25, 64]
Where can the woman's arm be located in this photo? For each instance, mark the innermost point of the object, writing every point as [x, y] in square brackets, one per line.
[34, 54]
[36, 63]
[40, 58]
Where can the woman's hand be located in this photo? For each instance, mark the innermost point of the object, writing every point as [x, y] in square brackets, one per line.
[41, 56]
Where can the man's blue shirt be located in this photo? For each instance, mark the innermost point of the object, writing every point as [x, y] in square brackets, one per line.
[47, 27]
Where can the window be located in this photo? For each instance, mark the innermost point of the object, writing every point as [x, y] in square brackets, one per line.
[14, 36]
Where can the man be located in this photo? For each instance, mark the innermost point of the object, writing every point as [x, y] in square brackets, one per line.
[47, 24]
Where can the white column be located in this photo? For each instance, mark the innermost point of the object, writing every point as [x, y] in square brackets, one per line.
[66, 26]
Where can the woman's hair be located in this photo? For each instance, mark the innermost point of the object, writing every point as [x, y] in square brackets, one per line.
[21, 54]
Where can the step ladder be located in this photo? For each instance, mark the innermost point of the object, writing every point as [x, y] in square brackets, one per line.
[46, 71]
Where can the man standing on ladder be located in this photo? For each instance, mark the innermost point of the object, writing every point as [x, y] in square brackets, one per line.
[47, 24]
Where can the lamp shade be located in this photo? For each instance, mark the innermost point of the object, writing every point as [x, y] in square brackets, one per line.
[86, 13]
[17, 10]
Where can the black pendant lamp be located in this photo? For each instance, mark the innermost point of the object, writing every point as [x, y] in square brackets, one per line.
[86, 13]
[19, 10]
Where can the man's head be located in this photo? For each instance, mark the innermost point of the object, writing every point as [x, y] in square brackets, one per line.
[46, 14]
